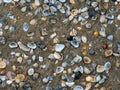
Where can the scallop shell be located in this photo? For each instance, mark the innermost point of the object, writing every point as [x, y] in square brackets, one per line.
[100, 68]
[86, 59]
[84, 39]
[89, 78]
[2, 64]
[108, 53]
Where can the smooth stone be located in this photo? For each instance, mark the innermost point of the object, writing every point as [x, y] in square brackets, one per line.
[31, 45]
[30, 71]
[74, 44]
[25, 26]
[78, 88]
[110, 37]
[59, 47]
[7, 1]
[13, 45]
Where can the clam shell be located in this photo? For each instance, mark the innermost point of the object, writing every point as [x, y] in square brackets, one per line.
[84, 39]
[23, 47]
[33, 21]
[108, 53]
[81, 69]
[97, 78]
[86, 59]
[59, 47]
[87, 70]
[59, 70]
[2, 64]
[89, 78]
[70, 84]
[100, 68]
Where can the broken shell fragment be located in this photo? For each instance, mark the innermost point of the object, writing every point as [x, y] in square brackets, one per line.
[32, 45]
[84, 39]
[108, 53]
[13, 45]
[73, 32]
[87, 70]
[100, 68]
[107, 66]
[59, 70]
[86, 59]
[78, 88]
[58, 56]
[70, 84]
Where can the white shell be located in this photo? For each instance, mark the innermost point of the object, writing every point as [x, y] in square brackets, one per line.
[59, 47]
[70, 84]
[59, 70]
[87, 70]
[77, 58]
[100, 68]
[84, 39]
[30, 71]
[37, 2]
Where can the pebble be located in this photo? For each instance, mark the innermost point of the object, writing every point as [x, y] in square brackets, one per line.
[59, 47]
[30, 71]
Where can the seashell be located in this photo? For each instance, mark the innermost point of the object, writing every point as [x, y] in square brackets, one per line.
[13, 45]
[63, 1]
[97, 78]
[58, 4]
[94, 4]
[107, 66]
[75, 44]
[103, 88]
[19, 59]
[79, 28]
[19, 78]
[88, 25]
[96, 33]
[23, 47]
[57, 56]
[69, 70]
[37, 2]
[86, 59]
[102, 33]
[33, 21]
[118, 17]
[88, 86]
[110, 16]
[73, 32]
[103, 19]
[25, 26]
[53, 35]
[110, 37]
[30, 71]
[59, 70]
[59, 47]
[7, 1]
[108, 53]
[81, 69]
[41, 59]
[2, 40]
[87, 70]
[106, 5]
[44, 32]
[9, 82]
[100, 68]
[90, 79]
[2, 64]
[23, 9]
[30, 34]
[72, 1]
[77, 58]
[84, 39]
[78, 88]
[84, 52]
[31, 45]
[70, 84]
